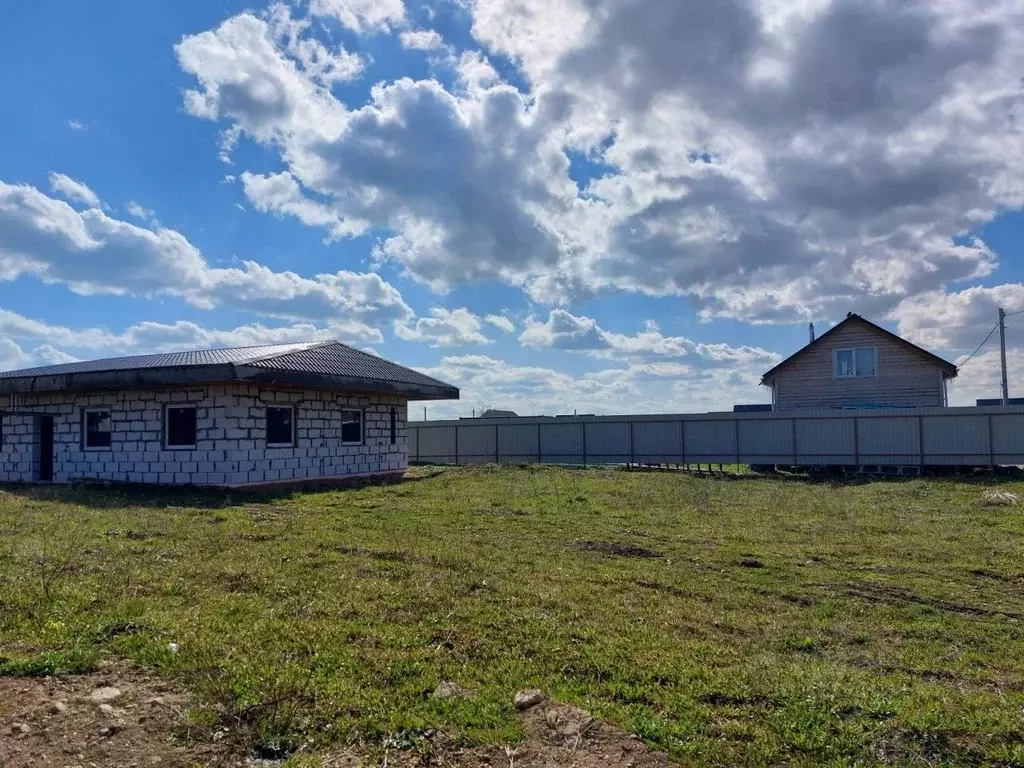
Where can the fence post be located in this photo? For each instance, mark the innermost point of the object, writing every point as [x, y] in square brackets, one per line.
[456, 445]
[736, 438]
[682, 442]
[538, 442]
[584, 444]
[632, 450]
[497, 451]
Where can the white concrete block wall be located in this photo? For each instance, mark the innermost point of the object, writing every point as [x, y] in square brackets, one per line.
[231, 444]
[18, 448]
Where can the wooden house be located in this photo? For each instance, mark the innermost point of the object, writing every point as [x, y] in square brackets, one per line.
[858, 364]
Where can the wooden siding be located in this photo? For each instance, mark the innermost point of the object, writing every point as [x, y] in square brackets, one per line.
[903, 377]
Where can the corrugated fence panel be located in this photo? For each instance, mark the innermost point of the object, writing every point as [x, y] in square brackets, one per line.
[889, 440]
[825, 441]
[437, 444]
[562, 443]
[476, 444]
[710, 442]
[519, 443]
[1008, 438]
[955, 439]
[933, 436]
[608, 443]
[657, 442]
[767, 441]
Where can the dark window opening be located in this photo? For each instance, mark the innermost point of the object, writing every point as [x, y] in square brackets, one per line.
[96, 425]
[394, 425]
[351, 427]
[181, 428]
[280, 426]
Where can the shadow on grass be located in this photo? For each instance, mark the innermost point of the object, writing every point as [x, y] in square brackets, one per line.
[937, 475]
[102, 495]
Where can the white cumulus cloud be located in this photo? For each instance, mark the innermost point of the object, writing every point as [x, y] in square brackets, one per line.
[501, 322]
[565, 331]
[362, 15]
[139, 211]
[772, 161]
[422, 40]
[76, 191]
[93, 253]
[487, 382]
[444, 328]
[146, 337]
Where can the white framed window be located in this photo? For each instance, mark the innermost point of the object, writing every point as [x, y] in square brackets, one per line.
[855, 363]
[280, 426]
[351, 427]
[180, 426]
[96, 428]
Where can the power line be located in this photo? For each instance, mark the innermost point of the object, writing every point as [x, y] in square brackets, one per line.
[971, 356]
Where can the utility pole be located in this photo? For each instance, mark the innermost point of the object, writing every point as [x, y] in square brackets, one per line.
[1002, 354]
[424, 413]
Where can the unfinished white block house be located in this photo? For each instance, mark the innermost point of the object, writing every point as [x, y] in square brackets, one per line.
[234, 417]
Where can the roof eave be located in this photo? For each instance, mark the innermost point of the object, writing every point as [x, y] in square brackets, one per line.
[211, 374]
[133, 378]
[258, 375]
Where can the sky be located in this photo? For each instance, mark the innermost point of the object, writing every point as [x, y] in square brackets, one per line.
[597, 206]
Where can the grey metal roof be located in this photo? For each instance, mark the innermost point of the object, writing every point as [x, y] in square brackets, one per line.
[329, 365]
[340, 360]
[161, 360]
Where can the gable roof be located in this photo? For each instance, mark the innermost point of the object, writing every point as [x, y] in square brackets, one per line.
[949, 371]
[328, 365]
[497, 413]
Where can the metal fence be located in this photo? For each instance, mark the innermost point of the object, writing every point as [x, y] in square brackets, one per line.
[974, 436]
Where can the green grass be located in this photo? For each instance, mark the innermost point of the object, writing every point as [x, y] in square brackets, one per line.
[785, 622]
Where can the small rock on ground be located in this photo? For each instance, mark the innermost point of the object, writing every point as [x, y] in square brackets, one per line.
[106, 693]
[526, 699]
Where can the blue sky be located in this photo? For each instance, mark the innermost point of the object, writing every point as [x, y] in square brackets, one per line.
[607, 206]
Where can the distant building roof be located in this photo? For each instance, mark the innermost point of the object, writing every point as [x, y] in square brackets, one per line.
[949, 371]
[494, 413]
[327, 364]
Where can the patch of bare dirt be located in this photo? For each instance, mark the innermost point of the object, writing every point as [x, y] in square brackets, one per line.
[122, 717]
[116, 716]
[557, 736]
[615, 548]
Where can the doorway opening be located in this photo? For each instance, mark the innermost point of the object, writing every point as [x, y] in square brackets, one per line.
[45, 448]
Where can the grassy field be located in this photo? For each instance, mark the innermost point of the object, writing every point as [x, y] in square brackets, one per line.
[731, 622]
